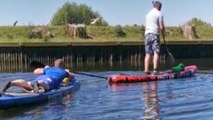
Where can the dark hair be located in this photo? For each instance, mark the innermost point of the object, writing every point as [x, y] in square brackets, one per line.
[156, 3]
[36, 64]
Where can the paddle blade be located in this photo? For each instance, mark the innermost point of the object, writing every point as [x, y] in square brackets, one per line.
[169, 59]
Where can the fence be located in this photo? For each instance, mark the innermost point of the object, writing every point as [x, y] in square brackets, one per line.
[17, 57]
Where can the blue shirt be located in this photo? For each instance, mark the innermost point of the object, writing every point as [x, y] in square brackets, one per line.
[56, 74]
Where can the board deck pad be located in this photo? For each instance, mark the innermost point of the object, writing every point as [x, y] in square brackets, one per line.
[15, 94]
[188, 71]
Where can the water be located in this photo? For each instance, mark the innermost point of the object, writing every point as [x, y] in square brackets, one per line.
[180, 99]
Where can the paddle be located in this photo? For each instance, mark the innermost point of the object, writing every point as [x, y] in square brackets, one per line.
[169, 59]
[205, 71]
[36, 64]
[91, 75]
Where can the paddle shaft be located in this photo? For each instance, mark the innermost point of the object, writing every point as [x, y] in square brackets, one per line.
[167, 50]
[37, 64]
[205, 71]
[90, 75]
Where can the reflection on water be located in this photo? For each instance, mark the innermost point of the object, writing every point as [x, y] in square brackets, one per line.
[180, 99]
[150, 98]
[204, 63]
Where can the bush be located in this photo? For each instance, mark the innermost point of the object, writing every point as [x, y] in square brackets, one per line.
[119, 32]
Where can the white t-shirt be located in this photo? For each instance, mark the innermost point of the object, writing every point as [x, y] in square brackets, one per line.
[152, 21]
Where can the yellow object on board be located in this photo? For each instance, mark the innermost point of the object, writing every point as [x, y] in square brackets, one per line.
[66, 81]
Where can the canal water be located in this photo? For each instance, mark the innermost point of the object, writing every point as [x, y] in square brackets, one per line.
[179, 99]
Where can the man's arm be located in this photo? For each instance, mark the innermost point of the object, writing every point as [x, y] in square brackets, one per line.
[71, 75]
[162, 29]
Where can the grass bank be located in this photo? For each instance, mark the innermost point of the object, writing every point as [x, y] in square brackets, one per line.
[19, 34]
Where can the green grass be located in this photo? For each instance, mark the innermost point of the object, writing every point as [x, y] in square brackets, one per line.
[19, 34]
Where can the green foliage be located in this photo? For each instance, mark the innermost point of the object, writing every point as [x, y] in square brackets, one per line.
[135, 31]
[103, 33]
[74, 14]
[111, 32]
[119, 32]
[175, 33]
[10, 33]
[203, 29]
[100, 31]
[199, 22]
[30, 35]
[46, 38]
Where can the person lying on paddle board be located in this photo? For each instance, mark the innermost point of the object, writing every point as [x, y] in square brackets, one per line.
[49, 78]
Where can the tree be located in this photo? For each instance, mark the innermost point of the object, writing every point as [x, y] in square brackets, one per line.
[73, 13]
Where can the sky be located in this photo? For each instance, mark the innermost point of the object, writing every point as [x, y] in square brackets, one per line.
[115, 12]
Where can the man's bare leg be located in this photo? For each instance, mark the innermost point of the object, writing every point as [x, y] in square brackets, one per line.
[146, 62]
[155, 62]
[19, 83]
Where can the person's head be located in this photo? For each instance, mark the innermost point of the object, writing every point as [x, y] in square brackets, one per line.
[157, 5]
[38, 71]
[35, 64]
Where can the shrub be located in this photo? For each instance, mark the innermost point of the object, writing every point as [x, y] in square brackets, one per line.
[119, 32]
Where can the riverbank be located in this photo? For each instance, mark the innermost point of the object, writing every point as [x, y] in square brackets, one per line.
[17, 56]
[102, 43]
[193, 30]
[33, 34]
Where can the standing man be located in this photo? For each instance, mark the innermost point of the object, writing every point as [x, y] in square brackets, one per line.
[153, 27]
